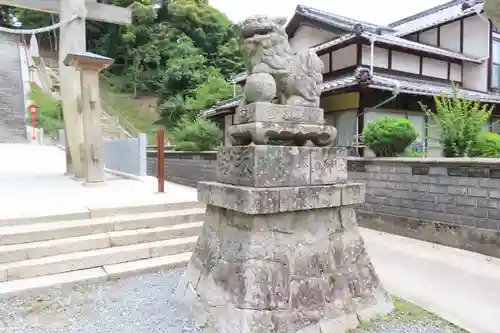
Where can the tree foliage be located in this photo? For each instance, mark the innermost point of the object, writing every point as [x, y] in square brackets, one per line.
[196, 135]
[459, 123]
[49, 110]
[183, 51]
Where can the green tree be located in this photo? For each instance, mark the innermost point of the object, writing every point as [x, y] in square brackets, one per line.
[183, 51]
[196, 135]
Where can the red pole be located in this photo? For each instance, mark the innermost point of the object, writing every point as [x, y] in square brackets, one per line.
[160, 162]
[33, 124]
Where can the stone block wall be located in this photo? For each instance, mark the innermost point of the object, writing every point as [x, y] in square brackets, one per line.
[185, 168]
[454, 202]
[463, 192]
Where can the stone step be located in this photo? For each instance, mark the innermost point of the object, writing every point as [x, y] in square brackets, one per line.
[37, 285]
[127, 269]
[95, 258]
[67, 229]
[37, 250]
[96, 211]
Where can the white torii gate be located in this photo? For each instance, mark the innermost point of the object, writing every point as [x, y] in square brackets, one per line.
[72, 40]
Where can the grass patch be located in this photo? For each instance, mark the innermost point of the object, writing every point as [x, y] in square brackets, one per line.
[407, 313]
[49, 111]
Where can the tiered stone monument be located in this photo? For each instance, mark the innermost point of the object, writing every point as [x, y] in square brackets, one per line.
[280, 249]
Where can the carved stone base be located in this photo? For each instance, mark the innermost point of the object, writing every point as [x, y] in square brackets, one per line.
[261, 133]
[271, 200]
[267, 112]
[268, 166]
[304, 271]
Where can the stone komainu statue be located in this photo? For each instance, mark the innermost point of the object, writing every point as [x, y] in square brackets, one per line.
[275, 70]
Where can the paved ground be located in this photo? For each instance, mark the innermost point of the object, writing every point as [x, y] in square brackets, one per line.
[33, 182]
[460, 286]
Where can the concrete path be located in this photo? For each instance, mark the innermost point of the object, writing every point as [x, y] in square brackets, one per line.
[460, 286]
[32, 182]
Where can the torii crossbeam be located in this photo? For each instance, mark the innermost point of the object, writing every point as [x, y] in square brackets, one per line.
[95, 11]
[72, 40]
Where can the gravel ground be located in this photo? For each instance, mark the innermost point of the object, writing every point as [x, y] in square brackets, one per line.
[136, 305]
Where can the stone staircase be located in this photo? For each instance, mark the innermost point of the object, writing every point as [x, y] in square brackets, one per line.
[109, 243]
[12, 112]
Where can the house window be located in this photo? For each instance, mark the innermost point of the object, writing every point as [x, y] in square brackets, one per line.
[495, 71]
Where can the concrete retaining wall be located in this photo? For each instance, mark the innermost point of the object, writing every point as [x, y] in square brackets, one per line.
[454, 202]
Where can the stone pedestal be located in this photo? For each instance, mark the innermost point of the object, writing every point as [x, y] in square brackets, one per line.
[280, 250]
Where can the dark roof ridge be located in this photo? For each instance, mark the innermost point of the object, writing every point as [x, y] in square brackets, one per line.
[306, 10]
[426, 12]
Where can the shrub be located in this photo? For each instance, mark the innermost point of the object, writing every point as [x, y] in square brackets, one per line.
[459, 122]
[389, 136]
[487, 144]
[196, 135]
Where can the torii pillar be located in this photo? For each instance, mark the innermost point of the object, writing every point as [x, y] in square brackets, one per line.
[72, 40]
[90, 65]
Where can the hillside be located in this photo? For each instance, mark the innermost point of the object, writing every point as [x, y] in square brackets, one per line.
[140, 113]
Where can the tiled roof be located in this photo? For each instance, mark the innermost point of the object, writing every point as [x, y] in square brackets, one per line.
[338, 21]
[221, 105]
[333, 42]
[452, 12]
[339, 83]
[239, 77]
[410, 86]
[426, 12]
[428, 88]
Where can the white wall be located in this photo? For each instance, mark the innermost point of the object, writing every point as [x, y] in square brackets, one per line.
[476, 41]
[344, 57]
[346, 123]
[405, 62]
[307, 36]
[435, 68]
[411, 63]
[450, 36]
[325, 58]
[380, 56]
[429, 37]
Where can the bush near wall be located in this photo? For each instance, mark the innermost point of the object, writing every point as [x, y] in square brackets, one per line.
[389, 136]
[487, 144]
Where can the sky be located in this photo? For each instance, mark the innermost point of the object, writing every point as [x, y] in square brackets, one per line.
[374, 11]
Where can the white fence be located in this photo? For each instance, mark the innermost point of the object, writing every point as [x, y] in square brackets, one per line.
[127, 155]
